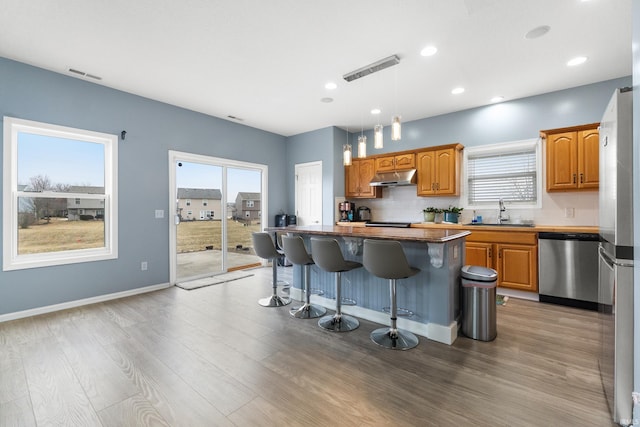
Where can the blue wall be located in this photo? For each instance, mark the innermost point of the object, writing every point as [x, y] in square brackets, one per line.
[507, 121]
[152, 128]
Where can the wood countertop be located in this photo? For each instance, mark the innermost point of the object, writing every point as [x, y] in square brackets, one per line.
[414, 234]
[535, 228]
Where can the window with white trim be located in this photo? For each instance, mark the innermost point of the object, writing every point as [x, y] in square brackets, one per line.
[507, 171]
[59, 195]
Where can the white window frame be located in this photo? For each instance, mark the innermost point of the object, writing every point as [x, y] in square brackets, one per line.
[500, 149]
[11, 260]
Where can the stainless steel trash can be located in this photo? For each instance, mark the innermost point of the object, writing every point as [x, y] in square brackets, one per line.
[479, 302]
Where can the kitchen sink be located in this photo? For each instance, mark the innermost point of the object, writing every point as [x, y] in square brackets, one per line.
[504, 224]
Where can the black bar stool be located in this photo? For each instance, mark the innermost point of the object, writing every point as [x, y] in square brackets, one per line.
[264, 248]
[328, 256]
[295, 252]
[386, 259]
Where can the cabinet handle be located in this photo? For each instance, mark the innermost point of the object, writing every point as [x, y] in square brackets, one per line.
[581, 178]
[574, 178]
[437, 186]
[490, 256]
[500, 253]
[433, 185]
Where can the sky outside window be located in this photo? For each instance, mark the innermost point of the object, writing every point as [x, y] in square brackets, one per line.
[63, 161]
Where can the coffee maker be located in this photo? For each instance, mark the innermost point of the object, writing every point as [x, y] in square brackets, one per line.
[347, 211]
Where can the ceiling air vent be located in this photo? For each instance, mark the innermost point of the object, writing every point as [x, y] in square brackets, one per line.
[83, 74]
[372, 68]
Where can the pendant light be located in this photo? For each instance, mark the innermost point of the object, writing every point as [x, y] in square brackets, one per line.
[377, 137]
[362, 147]
[347, 152]
[396, 129]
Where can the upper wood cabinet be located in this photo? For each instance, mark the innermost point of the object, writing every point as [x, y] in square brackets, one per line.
[395, 163]
[357, 178]
[572, 158]
[439, 171]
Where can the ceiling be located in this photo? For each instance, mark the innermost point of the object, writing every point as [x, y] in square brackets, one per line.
[266, 62]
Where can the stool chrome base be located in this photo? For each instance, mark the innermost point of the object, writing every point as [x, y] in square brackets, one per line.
[339, 323]
[274, 301]
[308, 311]
[394, 339]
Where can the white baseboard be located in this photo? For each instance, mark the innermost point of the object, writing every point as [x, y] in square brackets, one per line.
[433, 331]
[77, 303]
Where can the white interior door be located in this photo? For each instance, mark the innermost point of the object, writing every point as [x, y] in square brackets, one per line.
[308, 189]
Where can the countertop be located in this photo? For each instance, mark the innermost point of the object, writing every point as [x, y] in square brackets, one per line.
[535, 229]
[415, 234]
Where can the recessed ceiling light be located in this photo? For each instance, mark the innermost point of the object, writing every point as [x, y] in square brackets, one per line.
[537, 32]
[330, 86]
[497, 99]
[429, 51]
[457, 91]
[578, 60]
[326, 100]
[376, 111]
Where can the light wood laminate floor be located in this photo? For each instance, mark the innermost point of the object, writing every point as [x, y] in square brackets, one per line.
[214, 357]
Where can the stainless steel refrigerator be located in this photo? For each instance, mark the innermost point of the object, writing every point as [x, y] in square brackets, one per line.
[615, 284]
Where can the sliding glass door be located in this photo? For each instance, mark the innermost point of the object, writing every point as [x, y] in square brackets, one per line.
[216, 204]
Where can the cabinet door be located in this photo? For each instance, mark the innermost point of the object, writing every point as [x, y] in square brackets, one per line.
[479, 254]
[385, 164]
[351, 175]
[562, 161]
[365, 175]
[446, 176]
[517, 267]
[426, 164]
[405, 161]
[588, 161]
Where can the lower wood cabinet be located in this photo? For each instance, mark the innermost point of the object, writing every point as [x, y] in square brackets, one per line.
[513, 255]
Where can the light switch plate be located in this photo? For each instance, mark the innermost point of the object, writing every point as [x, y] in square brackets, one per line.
[159, 213]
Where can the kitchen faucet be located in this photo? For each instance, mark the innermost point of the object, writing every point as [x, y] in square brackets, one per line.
[501, 210]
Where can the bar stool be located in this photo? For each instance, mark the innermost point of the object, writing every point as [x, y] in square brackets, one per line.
[328, 256]
[295, 251]
[264, 248]
[386, 259]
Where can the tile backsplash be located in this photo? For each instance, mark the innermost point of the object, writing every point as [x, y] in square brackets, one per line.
[402, 204]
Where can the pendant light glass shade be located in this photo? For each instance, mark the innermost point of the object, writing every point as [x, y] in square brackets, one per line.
[377, 137]
[362, 146]
[346, 154]
[396, 130]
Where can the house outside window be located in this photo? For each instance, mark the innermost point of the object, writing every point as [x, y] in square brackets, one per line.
[249, 203]
[43, 206]
[188, 202]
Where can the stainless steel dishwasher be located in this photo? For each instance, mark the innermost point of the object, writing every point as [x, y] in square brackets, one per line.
[568, 269]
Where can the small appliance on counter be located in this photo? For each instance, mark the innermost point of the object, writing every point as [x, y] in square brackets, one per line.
[283, 220]
[347, 211]
[364, 213]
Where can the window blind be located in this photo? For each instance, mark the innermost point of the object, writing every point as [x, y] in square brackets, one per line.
[511, 176]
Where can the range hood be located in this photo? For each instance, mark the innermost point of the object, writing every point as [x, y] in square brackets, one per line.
[394, 178]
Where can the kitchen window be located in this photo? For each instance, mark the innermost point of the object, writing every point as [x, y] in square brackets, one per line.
[59, 195]
[507, 171]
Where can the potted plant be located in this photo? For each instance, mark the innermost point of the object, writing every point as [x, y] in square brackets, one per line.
[451, 214]
[430, 213]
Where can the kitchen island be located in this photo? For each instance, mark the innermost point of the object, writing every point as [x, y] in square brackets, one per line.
[432, 296]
